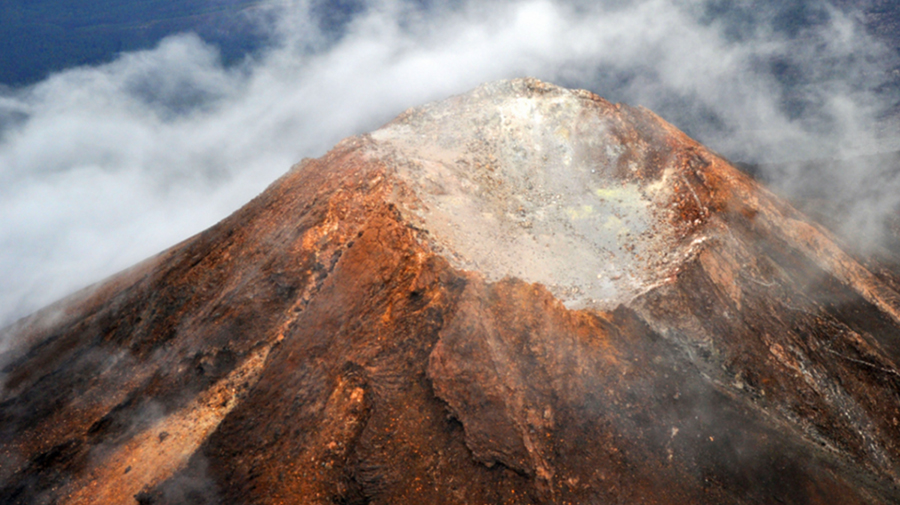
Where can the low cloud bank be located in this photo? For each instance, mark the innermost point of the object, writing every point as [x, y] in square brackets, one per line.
[101, 167]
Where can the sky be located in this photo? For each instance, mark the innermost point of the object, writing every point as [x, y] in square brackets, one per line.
[102, 166]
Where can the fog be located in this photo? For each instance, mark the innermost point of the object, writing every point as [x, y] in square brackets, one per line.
[101, 167]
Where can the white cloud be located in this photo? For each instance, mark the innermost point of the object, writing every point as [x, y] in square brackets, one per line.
[101, 167]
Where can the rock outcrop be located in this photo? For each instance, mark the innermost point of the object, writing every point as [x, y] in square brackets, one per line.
[523, 294]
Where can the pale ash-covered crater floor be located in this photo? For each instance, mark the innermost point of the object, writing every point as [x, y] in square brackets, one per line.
[529, 180]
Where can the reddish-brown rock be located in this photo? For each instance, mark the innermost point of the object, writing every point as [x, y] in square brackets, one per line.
[519, 295]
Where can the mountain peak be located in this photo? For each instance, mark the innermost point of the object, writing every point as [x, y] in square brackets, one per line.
[521, 294]
[530, 180]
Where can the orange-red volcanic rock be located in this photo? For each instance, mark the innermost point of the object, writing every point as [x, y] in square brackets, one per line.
[523, 294]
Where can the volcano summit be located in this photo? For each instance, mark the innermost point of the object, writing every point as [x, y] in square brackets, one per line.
[522, 294]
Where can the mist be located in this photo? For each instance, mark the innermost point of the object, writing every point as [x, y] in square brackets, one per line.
[103, 166]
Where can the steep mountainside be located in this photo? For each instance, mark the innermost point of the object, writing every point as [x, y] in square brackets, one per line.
[523, 294]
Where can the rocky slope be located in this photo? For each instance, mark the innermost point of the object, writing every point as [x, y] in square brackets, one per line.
[523, 294]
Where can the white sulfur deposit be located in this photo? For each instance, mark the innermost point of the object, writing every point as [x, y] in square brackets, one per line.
[525, 179]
